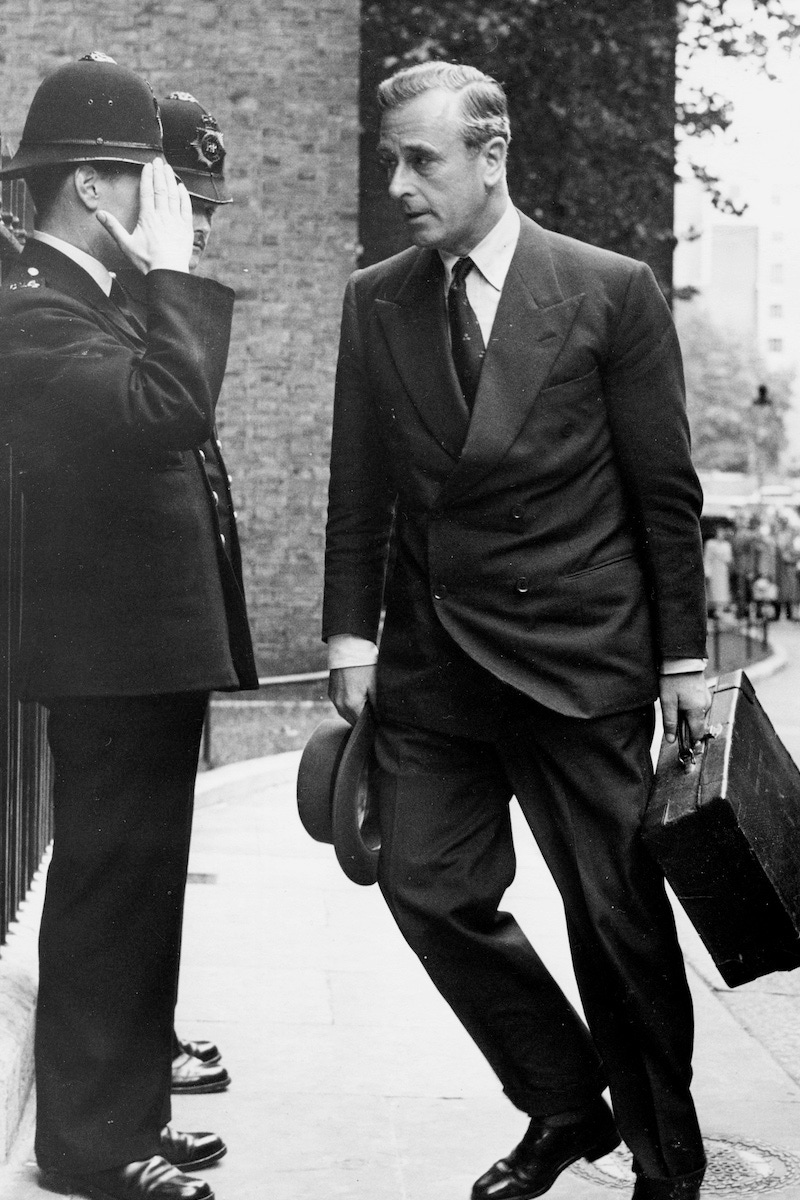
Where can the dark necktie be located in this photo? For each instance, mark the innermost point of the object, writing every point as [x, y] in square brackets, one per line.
[465, 332]
[120, 298]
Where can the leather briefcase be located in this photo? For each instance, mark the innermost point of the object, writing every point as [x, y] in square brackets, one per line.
[724, 826]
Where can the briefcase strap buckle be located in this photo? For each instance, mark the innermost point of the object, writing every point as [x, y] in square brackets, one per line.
[687, 754]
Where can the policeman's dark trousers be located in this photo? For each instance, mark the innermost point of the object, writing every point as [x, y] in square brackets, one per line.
[446, 859]
[111, 928]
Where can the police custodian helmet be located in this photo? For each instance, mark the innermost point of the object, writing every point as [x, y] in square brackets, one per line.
[93, 110]
[193, 147]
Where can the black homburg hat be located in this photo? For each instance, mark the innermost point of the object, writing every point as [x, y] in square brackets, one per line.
[336, 793]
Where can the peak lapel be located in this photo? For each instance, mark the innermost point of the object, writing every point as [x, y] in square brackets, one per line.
[532, 324]
[415, 327]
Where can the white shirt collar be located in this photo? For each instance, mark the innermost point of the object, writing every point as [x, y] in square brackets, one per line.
[100, 274]
[492, 256]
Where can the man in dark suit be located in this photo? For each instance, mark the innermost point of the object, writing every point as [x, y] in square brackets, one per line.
[509, 407]
[132, 611]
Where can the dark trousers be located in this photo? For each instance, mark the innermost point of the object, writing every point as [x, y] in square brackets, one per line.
[446, 859]
[111, 928]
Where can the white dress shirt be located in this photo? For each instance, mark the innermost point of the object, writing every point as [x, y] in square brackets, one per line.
[492, 258]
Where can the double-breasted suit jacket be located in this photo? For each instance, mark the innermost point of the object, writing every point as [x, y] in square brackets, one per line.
[128, 589]
[550, 539]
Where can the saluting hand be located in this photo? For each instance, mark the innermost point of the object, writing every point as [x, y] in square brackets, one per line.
[163, 235]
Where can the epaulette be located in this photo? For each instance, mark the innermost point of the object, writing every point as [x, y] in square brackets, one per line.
[34, 280]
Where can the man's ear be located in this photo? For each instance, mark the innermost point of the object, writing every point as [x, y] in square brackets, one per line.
[86, 181]
[495, 153]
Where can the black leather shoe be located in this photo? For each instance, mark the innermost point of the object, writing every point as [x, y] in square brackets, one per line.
[190, 1076]
[545, 1151]
[682, 1187]
[191, 1151]
[153, 1179]
[207, 1052]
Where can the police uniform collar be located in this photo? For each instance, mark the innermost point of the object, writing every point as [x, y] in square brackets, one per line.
[99, 273]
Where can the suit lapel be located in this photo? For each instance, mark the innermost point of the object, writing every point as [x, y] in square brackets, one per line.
[532, 324]
[415, 326]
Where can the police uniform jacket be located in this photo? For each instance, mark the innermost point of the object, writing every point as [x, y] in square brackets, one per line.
[127, 585]
[548, 540]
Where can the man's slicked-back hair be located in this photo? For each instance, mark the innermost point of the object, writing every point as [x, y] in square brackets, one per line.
[483, 101]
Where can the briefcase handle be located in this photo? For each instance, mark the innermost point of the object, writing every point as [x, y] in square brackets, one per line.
[687, 756]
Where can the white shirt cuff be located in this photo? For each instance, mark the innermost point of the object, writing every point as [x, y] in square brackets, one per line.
[345, 650]
[681, 666]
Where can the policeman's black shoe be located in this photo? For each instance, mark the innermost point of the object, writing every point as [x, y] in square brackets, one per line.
[191, 1151]
[545, 1151]
[682, 1187]
[152, 1179]
[207, 1052]
[192, 1077]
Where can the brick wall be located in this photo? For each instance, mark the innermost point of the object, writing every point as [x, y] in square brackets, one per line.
[281, 76]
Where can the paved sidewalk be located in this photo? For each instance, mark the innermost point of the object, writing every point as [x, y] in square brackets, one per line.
[350, 1077]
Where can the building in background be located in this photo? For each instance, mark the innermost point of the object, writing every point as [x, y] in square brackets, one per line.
[746, 268]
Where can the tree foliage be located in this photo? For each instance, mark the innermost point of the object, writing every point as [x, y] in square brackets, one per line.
[591, 89]
[723, 374]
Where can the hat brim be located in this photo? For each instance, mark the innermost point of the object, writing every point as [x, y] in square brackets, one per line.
[204, 186]
[32, 158]
[316, 776]
[336, 798]
[356, 830]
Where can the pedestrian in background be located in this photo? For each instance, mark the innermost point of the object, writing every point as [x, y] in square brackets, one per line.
[717, 563]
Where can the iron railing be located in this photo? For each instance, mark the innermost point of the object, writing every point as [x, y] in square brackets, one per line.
[25, 771]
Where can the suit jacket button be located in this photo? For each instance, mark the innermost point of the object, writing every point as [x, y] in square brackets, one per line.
[523, 584]
[439, 591]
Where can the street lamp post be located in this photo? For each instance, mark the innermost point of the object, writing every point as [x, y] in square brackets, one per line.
[762, 407]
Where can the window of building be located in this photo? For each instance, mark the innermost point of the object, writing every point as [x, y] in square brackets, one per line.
[775, 345]
[776, 273]
[776, 310]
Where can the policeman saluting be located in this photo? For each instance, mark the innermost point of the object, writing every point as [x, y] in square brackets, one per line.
[133, 611]
[194, 148]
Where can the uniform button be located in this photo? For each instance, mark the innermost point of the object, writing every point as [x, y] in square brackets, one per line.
[216, 498]
[517, 512]
[523, 584]
[230, 479]
[222, 538]
[235, 515]
[202, 454]
[219, 444]
[439, 591]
